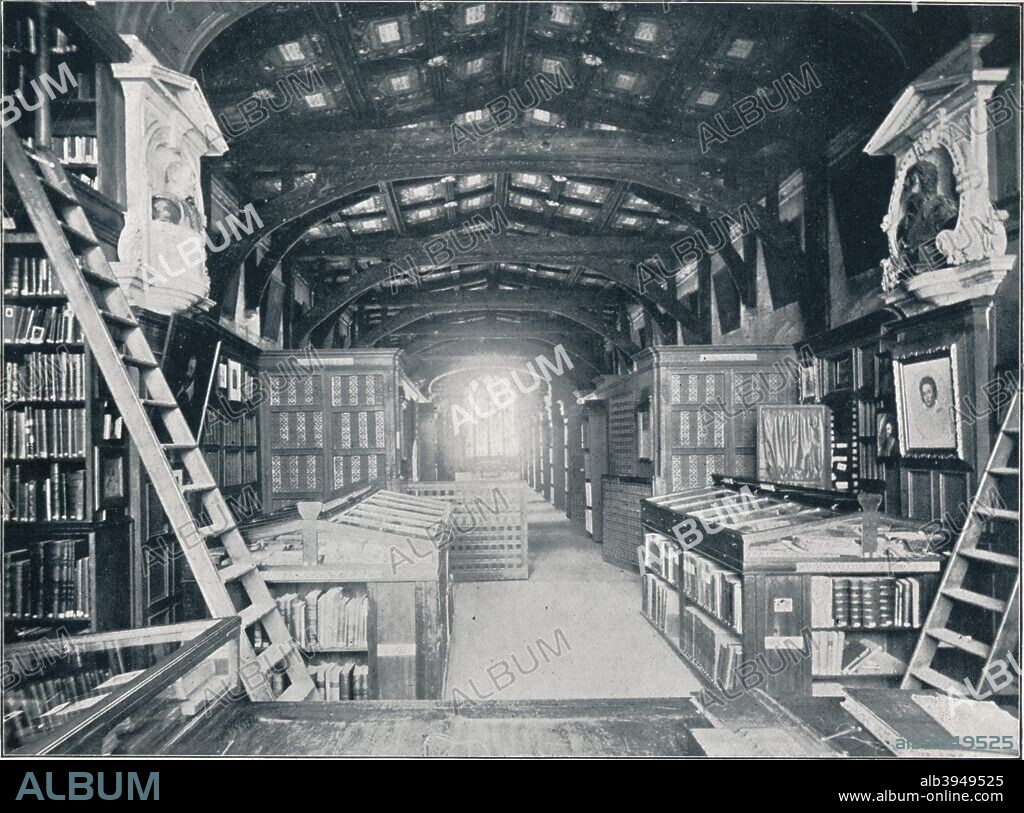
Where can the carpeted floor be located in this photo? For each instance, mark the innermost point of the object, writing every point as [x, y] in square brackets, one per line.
[572, 630]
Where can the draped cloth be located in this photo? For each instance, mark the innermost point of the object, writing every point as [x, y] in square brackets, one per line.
[792, 445]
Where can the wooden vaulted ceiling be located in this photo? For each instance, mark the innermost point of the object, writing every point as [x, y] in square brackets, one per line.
[654, 70]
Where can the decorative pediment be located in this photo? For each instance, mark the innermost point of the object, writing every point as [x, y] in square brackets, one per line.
[940, 219]
[169, 128]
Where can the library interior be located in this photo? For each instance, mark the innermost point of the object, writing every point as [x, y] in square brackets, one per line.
[511, 379]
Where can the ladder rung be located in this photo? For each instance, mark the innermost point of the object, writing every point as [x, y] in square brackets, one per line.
[154, 404]
[1011, 430]
[234, 572]
[991, 556]
[998, 513]
[253, 613]
[140, 364]
[118, 321]
[272, 656]
[1004, 471]
[98, 278]
[977, 599]
[178, 447]
[192, 488]
[76, 237]
[57, 193]
[963, 642]
[211, 531]
[295, 693]
[938, 680]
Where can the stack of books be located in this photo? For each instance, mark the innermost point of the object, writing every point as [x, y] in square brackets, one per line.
[661, 605]
[45, 377]
[325, 619]
[717, 653]
[47, 581]
[35, 433]
[33, 324]
[347, 680]
[59, 496]
[661, 556]
[30, 276]
[717, 590]
[868, 602]
[75, 149]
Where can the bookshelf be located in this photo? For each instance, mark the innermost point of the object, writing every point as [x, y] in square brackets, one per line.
[41, 43]
[67, 529]
[365, 587]
[782, 580]
[230, 440]
[330, 423]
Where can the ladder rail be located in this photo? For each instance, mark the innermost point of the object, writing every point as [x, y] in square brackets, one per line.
[93, 313]
[938, 615]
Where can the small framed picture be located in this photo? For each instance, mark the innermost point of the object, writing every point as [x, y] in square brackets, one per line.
[809, 383]
[927, 404]
[234, 380]
[222, 375]
[884, 386]
[886, 444]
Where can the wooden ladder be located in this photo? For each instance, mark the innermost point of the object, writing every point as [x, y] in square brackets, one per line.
[102, 309]
[987, 552]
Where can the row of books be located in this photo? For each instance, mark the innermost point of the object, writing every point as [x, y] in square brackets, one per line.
[325, 619]
[45, 377]
[341, 681]
[75, 149]
[661, 605]
[223, 431]
[30, 276]
[32, 433]
[43, 705]
[717, 590]
[714, 651]
[661, 556]
[866, 602]
[845, 449]
[47, 580]
[835, 653]
[58, 497]
[36, 324]
[23, 35]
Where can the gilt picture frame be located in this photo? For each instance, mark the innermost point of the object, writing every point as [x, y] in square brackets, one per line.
[928, 404]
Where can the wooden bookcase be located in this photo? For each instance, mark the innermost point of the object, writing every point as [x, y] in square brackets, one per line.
[595, 464]
[165, 592]
[67, 527]
[388, 548]
[681, 416]
[330, 423]
[748, 593]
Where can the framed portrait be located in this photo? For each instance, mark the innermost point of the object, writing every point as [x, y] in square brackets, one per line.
[886, 443]
[222, 375]
[110, 482]
[234, 380]
[809, 383]
[927, 404]
[189, 364]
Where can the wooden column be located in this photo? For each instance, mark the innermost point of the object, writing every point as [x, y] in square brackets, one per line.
[814, 295]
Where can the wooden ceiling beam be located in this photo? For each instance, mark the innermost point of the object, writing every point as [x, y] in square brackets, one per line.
[331, 20]
[586, 319]
[558, 250]
[496, 299]
[622, 273]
